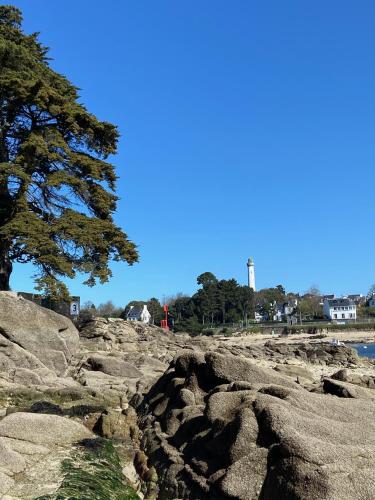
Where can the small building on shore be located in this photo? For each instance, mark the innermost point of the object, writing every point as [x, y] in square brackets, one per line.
[340, 309]
[139, 313]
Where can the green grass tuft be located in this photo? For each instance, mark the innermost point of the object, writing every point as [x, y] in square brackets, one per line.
[93, 473]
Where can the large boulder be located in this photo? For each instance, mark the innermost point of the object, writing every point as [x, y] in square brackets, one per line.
[42, 429]
[113, 366]
[32, 336]
[229, 368]
[32, 449]
[219, 426]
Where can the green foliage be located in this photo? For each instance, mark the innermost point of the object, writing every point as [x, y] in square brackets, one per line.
[206, 279]
[190, 325]
[269, 295]
[310, 306]
[93, 473]
[208, 332]
[182, 308]
[245, 301]
[267, 298]
[56, 185]
[365, 311]
[216, 302]
[156, 311]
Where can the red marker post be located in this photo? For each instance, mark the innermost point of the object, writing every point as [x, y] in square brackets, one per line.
[164, 322]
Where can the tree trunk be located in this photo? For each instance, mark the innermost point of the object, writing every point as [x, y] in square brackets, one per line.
[6, 268]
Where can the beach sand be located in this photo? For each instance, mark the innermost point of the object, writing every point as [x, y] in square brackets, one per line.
[351, 336]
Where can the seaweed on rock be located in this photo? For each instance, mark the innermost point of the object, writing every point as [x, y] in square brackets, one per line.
[93, 472]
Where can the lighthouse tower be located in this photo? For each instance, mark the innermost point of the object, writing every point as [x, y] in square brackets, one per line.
[251, 273]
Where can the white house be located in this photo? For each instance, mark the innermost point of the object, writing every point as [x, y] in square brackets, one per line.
[276, 311]
[340, 309]
[139, 313]
[259, 317]
[282, 311]
[285, 311]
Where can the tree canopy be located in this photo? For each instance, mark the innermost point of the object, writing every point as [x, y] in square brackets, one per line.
[57, 187]
[206, 279]
[218, 301]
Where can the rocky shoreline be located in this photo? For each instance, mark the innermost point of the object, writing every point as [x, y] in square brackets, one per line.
[164, 416]
[346, 336]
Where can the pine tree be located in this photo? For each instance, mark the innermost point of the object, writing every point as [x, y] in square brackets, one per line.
[57, 188]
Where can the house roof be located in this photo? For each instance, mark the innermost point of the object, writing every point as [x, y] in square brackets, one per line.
[341, 302]
[135, 311]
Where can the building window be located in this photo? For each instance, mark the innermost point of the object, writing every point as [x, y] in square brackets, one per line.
[343, 316]
[335, 316]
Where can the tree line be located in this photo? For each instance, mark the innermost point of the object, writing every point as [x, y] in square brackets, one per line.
[215, 302]
[110, 310]
[219, 302]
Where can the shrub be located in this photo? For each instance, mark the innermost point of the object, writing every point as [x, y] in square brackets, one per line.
[190, 326]
[208, 331]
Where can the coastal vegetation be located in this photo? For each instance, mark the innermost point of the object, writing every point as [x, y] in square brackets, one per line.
[57, 185]
[224, 302]
[216, 301]
[93, 472]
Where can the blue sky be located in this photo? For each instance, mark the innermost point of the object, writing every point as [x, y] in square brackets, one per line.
[247, 130]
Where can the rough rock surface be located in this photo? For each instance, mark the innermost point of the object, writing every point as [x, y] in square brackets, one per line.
[124, 358]
[220, 420]
[32, 447]
[42, 429]
[32, 336]
[363, 380]
[218, 426]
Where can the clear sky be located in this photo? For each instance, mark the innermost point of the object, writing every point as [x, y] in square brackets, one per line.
[247, 129]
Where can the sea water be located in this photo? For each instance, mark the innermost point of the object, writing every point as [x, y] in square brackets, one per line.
[367, 350]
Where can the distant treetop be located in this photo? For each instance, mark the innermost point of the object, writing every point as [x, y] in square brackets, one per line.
[206, 279]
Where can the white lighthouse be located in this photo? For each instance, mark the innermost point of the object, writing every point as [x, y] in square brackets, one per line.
[251, 273]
